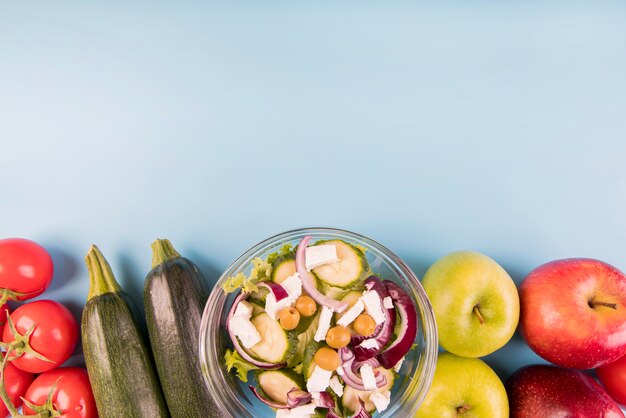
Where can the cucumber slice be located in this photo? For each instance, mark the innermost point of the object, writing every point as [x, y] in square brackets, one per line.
[351, 396]
[351, 268]
[277, 383]
[334, 292]
[308, 364]
[259, 296]
[351, 297]
[258, 307]
[276, 345]
[283, 267]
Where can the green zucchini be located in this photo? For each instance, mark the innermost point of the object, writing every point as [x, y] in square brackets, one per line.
[351, 268]
[174, 297]
[121, 372]
[277, 383]
[276, 345]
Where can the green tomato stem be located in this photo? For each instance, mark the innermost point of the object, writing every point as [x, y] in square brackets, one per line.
[163, 251]
[101, 278]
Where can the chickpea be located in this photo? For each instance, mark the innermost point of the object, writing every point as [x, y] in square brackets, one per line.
[289, 318]
[364, 325]
[338, 336]
[327, 358]
[306, 305]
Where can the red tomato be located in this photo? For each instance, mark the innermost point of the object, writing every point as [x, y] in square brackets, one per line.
[613, 378]
[54, 337]
[25, 267]
[16, 382]
[72, 396]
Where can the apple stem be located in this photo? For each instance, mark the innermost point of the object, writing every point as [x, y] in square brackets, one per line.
[463, 408]
[480, 317]
[594, 303]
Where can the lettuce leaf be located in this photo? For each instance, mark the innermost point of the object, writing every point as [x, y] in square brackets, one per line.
[284, 250]
[240, 281]
[242, 367]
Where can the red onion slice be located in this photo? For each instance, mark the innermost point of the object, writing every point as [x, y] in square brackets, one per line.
[279, 292]
[408, 326]
[373, 362]
[383, 332]
[266, 401]
[350, 377]
[263, 365]
[308, 281]
[297, 397]
[361, 412]
[325, 400]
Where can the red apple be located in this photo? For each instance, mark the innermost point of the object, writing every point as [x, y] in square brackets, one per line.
[613, 378]
[549, 391]
[573, 312]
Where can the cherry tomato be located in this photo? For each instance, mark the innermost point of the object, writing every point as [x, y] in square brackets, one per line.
[72, 396]
[16, 382]
[54, 337]
[613, 378]
[25, 267]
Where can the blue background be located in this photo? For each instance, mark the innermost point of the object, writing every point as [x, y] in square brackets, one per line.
[429, 127]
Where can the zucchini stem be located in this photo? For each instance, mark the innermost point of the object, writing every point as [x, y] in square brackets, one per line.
[101, 278]
[163, 251]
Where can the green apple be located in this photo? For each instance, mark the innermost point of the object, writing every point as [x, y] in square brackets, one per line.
[475, 301]
[464, 387]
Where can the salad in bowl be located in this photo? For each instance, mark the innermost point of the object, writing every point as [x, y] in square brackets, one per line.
[318, 323]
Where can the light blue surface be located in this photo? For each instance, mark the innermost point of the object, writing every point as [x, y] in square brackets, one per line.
[493, 126]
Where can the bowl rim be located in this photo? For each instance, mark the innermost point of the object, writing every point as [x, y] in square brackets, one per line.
[427, 359]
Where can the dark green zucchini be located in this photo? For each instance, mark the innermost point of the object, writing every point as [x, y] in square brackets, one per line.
[174, 297]
[121, 371]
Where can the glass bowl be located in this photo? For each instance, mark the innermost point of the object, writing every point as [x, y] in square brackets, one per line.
[235, 399]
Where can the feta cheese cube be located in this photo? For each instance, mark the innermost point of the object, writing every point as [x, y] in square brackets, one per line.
[371, 300]
[319, 255]
[319, 380]
[380, 400]
[324, 325]
[272, 307]
[367, 374]
[293, 286]
[350, 315]
[244, 330]
[336, 386]
[388, 303]
[398, 365]
[370, 343]
[243, 309]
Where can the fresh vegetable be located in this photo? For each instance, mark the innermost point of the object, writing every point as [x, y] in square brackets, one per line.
[276, 384]
[308, 280]
[352, 396]
[383, 333]
[351, 375]
[121, 371]
[276, 345]
[41, 335]
[26, 269]
[65, 391]
[16, 382]
[283, 267]
[175, 293]
[260, 395]
[297, 397]
[245, 356]
[351, 268]
[408, 326]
